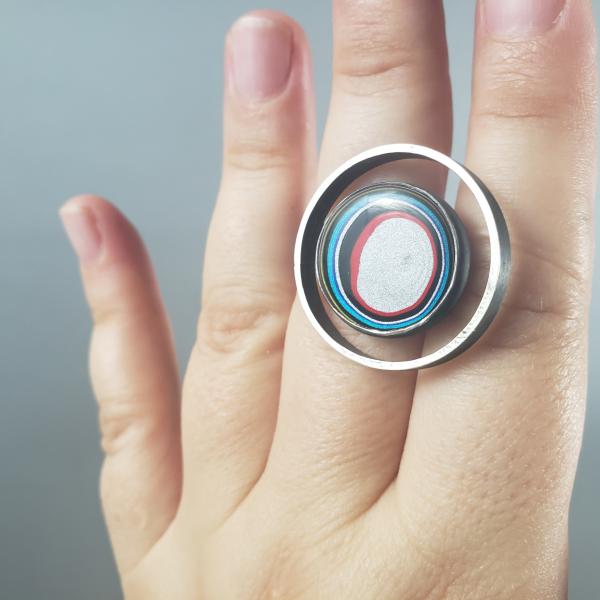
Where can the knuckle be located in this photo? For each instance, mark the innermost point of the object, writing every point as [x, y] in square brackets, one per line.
[384, 78]
[376, 68]
[252, 154]
[372, 58]
[124, 308]
[119, 421]
[238, 319]
[104, 314]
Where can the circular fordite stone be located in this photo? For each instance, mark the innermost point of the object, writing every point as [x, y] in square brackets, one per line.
[392, 258]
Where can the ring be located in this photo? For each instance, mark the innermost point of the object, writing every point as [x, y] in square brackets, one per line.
[390, 259]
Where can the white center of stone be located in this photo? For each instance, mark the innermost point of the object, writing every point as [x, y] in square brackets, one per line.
[396, 264]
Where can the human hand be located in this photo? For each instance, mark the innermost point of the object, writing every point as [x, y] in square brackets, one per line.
[282, 469]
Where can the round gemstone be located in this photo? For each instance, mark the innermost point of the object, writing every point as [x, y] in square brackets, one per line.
[390, 257]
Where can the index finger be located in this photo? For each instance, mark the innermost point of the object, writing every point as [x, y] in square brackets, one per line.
[494, 435]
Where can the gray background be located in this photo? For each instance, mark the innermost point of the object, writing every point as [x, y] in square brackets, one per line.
[122, 98]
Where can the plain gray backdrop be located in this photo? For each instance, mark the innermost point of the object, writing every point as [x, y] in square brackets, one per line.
[122, 98]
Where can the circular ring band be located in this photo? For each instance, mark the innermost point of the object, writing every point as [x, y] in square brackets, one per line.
[305, 255]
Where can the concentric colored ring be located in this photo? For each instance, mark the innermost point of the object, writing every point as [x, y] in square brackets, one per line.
[390, 257]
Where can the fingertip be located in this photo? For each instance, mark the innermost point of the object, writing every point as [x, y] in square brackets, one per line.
[275, 17]
[269, 109]
[99, 232]
[81, 226]
[567, 22]
[266, 55]
[79, 201]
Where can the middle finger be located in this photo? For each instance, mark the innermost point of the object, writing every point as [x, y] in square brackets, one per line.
[338, 420]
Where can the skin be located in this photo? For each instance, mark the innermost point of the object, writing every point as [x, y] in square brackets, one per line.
[279, 469]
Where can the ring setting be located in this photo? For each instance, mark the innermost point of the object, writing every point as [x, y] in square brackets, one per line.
[390, 259]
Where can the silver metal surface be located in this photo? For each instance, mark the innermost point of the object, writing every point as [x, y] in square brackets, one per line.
[308, 237]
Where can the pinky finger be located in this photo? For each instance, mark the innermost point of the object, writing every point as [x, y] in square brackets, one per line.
[134, 376]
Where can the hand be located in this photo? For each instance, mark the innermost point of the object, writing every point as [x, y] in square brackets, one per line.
[283, 470]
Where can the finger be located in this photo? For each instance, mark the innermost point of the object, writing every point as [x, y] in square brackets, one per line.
[134, 375]
[232, 386]
[494, 435]
[390, 84]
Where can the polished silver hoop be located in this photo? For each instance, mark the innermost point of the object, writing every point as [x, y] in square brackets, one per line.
[316, 215]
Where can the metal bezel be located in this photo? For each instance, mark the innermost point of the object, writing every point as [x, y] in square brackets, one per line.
[308, 236]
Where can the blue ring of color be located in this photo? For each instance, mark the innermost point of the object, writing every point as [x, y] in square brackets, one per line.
[331, 263]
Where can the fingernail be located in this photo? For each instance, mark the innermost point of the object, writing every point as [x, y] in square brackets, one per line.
[82, 230]
[261, 52]
[521, 18]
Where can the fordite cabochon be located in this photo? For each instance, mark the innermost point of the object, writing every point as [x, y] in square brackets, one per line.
[390, 258]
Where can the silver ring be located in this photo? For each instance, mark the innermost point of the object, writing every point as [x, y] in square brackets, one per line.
[318, 246]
